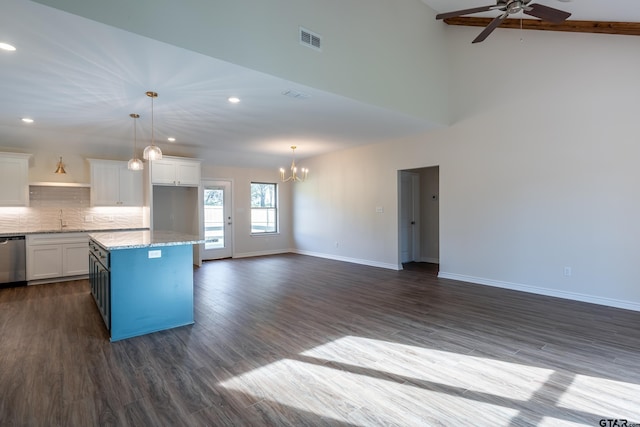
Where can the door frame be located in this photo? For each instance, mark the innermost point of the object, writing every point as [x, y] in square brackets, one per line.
[427, 217]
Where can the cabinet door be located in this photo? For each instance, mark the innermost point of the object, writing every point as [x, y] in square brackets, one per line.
[188, 173]
[99, 279]
[105, 186]
[44, 261]
[14, 181]
[163, 172]
[130, 187]
[75, 259]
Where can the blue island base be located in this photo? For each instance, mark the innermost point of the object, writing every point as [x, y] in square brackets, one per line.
[151, 290]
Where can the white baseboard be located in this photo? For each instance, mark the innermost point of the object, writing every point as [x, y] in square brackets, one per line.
[57, 279]
[627, 305]
[348, 259]
[261, 253]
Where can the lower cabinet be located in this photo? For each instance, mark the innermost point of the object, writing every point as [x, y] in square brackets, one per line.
[100, 281]
[54, 256]
[74, 259]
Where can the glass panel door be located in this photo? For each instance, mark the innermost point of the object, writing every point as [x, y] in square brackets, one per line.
[217, 219]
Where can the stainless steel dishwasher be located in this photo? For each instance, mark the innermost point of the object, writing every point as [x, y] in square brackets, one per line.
[12, 261]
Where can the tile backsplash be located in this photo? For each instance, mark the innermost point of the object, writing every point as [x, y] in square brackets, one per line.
[51, 207]
[42, 196]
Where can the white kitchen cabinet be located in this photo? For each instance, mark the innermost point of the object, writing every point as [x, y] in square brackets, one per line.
[113, 184]
[14, 179]
[75, 259]
[44, 262]
[57, 256]
[175, 171]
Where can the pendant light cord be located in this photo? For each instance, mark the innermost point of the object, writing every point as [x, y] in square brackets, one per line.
[152, 120]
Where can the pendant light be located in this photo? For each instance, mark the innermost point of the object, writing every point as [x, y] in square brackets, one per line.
[294, 170]
[152, 152]
[135, 164]
[60, 168]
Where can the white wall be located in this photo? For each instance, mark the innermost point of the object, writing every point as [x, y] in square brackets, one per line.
[386, 53]
[244, 244]
[338, 205]
[539, 172]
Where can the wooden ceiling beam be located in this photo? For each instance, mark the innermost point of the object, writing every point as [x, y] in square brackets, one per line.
[597, 27]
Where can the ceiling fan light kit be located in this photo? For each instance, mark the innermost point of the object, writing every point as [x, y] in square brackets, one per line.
[510, 7]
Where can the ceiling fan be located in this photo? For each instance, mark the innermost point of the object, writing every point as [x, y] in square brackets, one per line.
[510, 7]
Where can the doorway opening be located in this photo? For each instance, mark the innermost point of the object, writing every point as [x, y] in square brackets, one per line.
[419, 216]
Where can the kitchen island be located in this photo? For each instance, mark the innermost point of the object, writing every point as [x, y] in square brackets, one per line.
[142, 281]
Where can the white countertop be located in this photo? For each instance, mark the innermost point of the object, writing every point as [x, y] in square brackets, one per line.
[143, 239]
[25, 231]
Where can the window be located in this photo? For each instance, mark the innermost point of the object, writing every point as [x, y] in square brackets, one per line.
[264, 208]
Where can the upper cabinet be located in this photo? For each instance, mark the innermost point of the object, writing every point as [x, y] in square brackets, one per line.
[175, 171]
[112, 184]
[14, 179]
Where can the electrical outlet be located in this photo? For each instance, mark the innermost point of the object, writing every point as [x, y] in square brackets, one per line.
[155, 254]
[567, 271]
[337, 244]
[88, 218]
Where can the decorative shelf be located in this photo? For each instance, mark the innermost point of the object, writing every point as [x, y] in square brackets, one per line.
[60, 184]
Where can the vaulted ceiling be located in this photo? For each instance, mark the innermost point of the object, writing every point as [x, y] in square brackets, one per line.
[80, 79]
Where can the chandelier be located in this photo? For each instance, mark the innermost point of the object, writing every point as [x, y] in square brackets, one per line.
[135, 164]
[294, 170]
[152, 152]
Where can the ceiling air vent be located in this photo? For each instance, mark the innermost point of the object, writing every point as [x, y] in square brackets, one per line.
[310, 39]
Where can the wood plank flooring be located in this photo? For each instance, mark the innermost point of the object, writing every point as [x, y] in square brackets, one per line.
[291, 340]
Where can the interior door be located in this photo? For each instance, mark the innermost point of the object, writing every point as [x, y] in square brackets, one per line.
[217, 221]
[409, 215]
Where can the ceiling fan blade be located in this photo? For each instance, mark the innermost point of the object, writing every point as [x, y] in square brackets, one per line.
[547, 13]
[489, 28]
[465, 12]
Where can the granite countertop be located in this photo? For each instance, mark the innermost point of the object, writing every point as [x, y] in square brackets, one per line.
[24, 232]
[143, 239]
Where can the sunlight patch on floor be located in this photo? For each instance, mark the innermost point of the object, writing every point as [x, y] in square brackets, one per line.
[347, 396]
[585, 391]
[459, 371]
[366, 381]
[555, 422]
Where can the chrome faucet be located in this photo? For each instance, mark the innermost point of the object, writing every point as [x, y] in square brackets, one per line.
[62, 223]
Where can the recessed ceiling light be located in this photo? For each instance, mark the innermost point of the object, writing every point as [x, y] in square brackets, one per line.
[171, 139]
[234, 99]
[27, 120]
[7, 46]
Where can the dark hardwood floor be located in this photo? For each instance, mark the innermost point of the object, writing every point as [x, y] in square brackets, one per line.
[296, 340]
